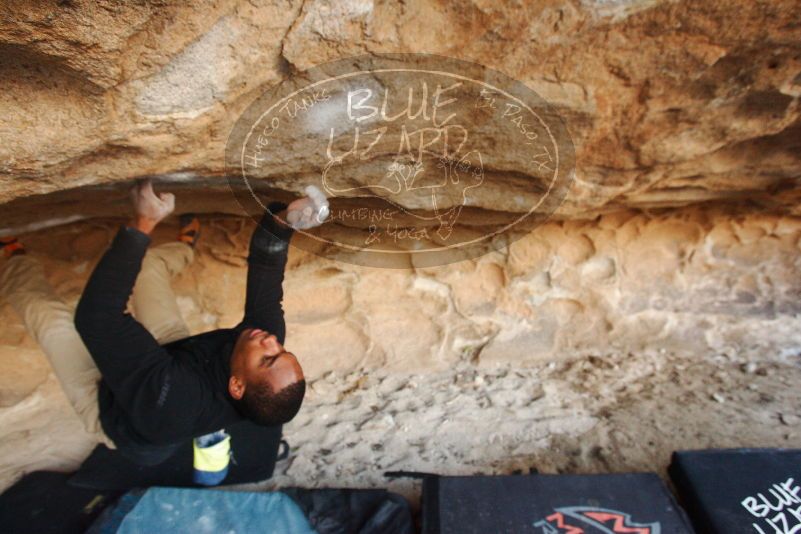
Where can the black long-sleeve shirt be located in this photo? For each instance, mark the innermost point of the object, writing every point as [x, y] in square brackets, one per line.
[158, 395]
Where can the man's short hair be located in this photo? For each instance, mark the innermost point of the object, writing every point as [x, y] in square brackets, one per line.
[264, 406]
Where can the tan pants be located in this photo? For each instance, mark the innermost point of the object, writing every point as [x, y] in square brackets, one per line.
[51, 322]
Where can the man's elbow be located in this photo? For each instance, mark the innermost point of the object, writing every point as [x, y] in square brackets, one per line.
[87, 318]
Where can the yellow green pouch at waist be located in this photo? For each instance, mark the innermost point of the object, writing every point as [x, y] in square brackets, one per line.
[211, 462]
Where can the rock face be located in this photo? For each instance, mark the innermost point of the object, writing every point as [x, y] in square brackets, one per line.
[680, 233]
[668, 103]
[679, 105]
[696, 282]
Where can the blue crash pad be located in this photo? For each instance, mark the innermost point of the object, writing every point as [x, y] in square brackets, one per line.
[202, 510]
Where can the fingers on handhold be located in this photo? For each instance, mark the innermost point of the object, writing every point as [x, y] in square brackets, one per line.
[321, 207]
[146, 186]
[136, 190]
[317, 196]
[323, 213]
[313, 213]
[313, 191]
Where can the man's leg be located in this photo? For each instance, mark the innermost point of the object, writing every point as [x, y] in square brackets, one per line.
[154, 301]
[51, 323]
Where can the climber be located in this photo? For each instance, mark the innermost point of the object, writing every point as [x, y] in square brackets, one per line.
[144, 385]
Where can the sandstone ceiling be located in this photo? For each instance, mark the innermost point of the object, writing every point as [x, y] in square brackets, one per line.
[668, 103]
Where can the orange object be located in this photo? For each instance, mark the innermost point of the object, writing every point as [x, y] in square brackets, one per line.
[190, 230]
[11, 246]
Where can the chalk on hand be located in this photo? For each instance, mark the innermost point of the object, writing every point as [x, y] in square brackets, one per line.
[311, 215]
[320, 202]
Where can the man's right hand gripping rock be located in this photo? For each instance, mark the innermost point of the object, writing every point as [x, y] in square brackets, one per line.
[149, 208]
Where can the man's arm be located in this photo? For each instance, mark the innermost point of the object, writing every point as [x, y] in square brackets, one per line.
[120, 346]
[269, 248]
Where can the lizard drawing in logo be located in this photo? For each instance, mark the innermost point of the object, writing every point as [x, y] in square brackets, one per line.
[434, 183]
[589, 520]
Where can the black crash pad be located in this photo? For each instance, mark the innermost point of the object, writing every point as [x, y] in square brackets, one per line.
[733, 491]
[551, 504]
[43, 502]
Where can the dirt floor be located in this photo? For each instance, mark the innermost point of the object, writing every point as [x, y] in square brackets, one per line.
[596, 414]
[587, 413]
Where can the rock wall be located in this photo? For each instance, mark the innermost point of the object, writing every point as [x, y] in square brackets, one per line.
[668, 102]
[690, 281]
[671, 105]
[698, 282]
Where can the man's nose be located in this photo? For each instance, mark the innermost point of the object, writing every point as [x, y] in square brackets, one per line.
[270, 340]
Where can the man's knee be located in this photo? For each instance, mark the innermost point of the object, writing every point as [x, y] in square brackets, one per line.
[170, 257]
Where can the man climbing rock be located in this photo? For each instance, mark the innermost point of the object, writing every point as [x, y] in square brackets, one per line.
[143, 385]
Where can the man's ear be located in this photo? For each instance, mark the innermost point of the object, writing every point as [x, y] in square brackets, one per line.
[236, 387]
